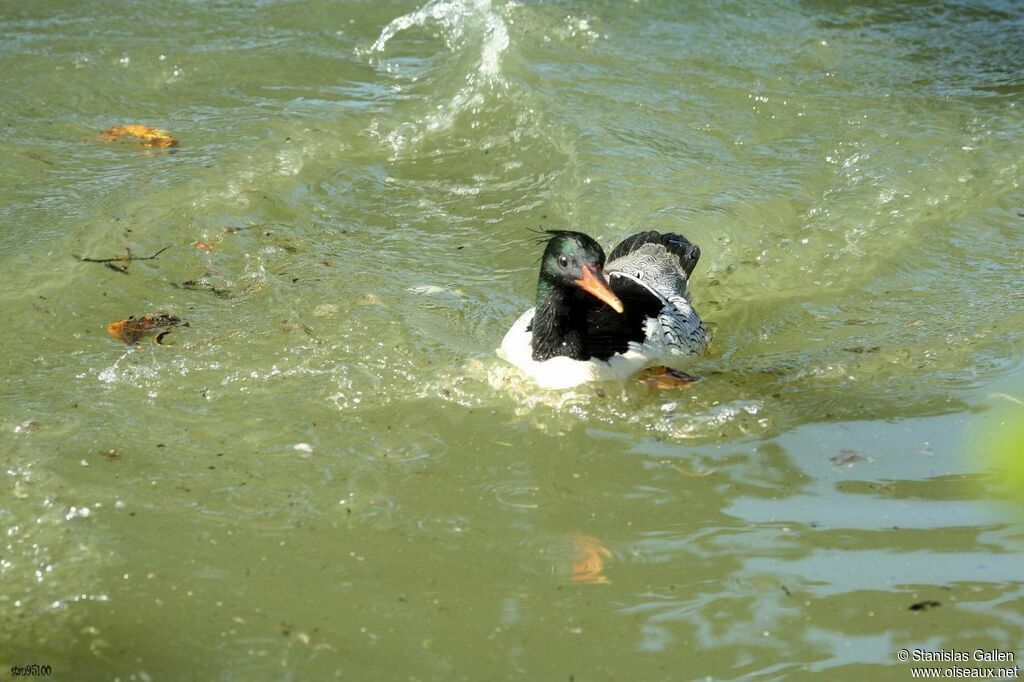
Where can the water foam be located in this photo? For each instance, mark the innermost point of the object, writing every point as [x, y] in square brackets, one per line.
[456, 18]
[464, 25]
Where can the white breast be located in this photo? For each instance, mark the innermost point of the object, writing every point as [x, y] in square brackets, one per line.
[563, 372]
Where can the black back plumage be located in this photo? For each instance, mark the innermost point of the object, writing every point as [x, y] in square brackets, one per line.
[609, 332]
[676, 244]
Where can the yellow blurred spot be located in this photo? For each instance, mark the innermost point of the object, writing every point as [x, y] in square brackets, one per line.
[588, 565]
[1004, 445]
[147, 135]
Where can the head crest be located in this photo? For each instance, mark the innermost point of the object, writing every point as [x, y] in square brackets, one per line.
[567, 241]
[544, 236]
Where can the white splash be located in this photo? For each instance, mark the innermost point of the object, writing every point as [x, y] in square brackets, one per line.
[454, 18]
[463, 24]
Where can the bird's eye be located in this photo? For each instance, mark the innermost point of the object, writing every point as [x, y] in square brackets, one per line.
[563, 261]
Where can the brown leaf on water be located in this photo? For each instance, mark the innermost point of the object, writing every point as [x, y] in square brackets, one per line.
[147, 136]
[666, 378]
[588, 564]
[134, 328]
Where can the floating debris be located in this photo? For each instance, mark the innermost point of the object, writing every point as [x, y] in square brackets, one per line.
[588, 565]
[131, 330]
[26, 426]
[147, 136]
[427, 290]
[666, 377]
[847, 457]
[203, 285]
[127, 259]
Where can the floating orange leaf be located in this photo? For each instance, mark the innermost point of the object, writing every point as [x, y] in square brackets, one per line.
[147, 135]
[134, 328]
[588, 564]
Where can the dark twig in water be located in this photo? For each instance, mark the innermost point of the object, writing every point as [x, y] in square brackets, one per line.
[127, 258]
[123, 269]
[201, 285]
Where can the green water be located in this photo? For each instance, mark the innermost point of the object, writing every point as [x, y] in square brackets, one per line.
[330, 475]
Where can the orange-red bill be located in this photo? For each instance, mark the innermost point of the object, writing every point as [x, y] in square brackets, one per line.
[595, 284]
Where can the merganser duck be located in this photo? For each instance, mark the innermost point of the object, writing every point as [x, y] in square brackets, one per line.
[588, 328]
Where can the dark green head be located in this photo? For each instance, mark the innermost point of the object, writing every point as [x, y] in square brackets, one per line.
[572, 260]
